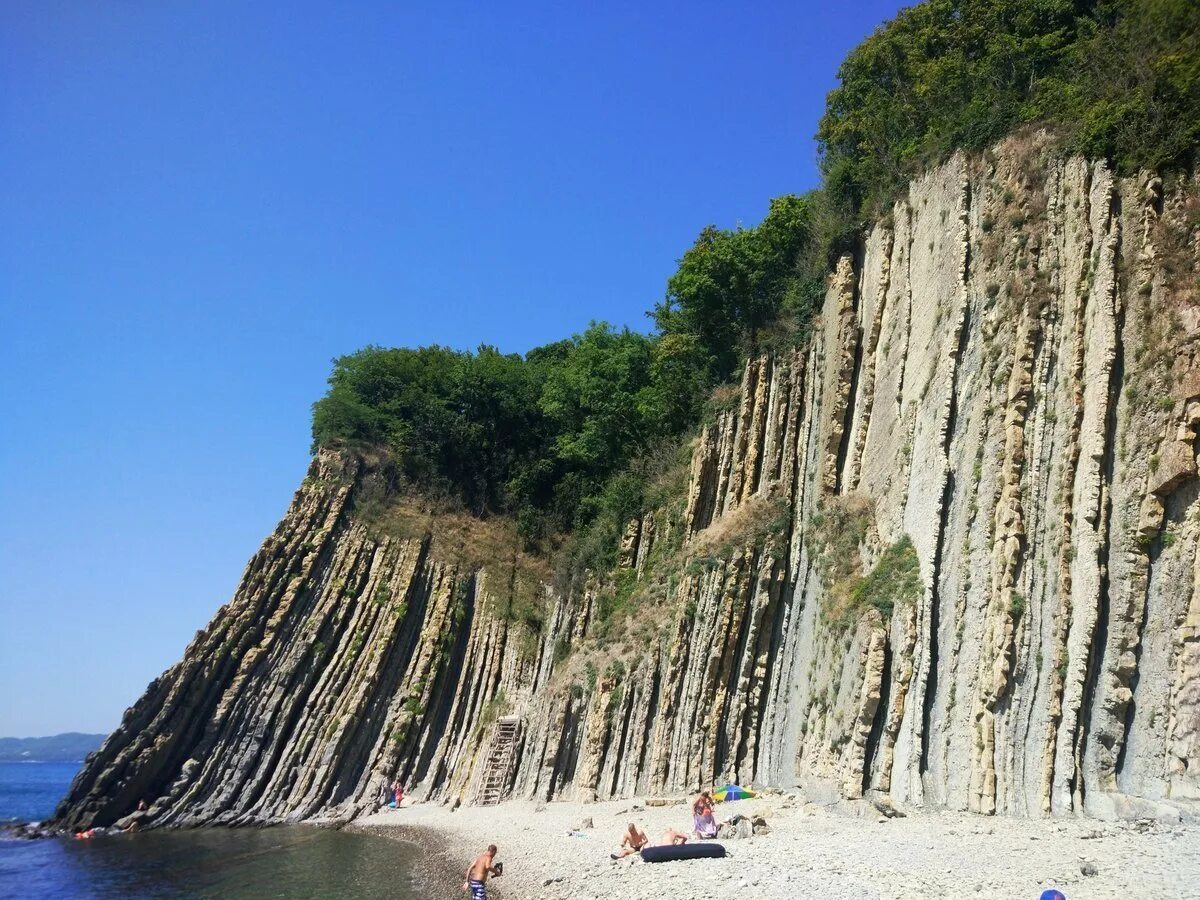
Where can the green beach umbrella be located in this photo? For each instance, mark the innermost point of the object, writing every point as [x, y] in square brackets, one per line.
[731, 792]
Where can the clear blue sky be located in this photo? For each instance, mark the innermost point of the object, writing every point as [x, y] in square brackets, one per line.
[204, 202]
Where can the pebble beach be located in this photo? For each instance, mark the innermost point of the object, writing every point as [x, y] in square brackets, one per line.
[560, 851]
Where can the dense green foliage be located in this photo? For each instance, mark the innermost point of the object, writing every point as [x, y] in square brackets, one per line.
[500, 432]
[1118, 78]
[731, 285]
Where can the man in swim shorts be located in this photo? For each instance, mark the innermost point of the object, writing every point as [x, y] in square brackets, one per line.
[635, 839]
[478, 872]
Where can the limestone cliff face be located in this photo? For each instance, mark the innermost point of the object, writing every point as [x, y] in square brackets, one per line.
[1007, 374]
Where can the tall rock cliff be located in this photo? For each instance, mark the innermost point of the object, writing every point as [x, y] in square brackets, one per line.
[946, 552]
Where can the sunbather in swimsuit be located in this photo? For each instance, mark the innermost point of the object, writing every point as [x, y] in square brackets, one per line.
[633, 841]
[672, 838]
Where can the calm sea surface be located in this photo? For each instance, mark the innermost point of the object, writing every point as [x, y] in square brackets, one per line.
[208, 862]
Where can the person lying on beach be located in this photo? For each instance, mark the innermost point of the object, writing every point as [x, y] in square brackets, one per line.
[703, 823]
[635, 839]
[478, 872]
[672, 838]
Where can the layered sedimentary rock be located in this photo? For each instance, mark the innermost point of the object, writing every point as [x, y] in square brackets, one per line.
[1004, 382]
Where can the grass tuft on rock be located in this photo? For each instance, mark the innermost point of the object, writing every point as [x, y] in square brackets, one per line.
[894, 581]
[839, 533]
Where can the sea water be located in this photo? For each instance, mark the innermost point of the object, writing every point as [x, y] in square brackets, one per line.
[29, 791]
[294, 861]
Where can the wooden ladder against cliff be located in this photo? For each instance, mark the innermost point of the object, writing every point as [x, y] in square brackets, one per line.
[497, 769]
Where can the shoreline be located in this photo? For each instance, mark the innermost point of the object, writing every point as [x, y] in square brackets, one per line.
[435, 872]
[844, 850]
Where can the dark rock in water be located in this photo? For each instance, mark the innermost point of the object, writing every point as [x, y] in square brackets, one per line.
[134, 820]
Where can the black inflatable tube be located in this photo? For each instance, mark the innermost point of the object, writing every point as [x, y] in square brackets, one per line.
[683, 851]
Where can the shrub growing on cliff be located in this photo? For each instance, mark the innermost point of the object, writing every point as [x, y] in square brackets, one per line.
[836, 536]
[893, 581]
[836, 532]
[731, 285]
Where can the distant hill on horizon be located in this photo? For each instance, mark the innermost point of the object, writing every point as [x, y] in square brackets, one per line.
[73, 746]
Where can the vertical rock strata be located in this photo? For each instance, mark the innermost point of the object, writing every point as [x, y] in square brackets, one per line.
[1006, 375]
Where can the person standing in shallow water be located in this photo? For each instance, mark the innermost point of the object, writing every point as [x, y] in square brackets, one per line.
[478, 872]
